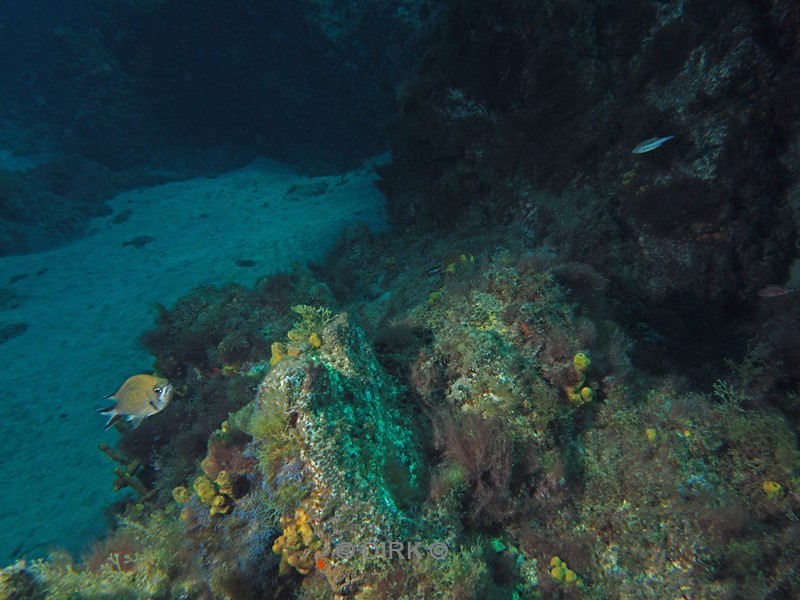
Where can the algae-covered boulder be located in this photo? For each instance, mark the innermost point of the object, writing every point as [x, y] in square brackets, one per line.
[337, 454]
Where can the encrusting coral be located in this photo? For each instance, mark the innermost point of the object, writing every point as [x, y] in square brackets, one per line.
[578, 392]
[305, 335]
[297, 544]
[560, 571]
[214, 495]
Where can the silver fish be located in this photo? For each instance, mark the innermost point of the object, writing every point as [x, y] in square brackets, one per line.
[651, 144]
[138, 398]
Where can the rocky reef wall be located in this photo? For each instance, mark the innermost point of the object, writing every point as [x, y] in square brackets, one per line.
[529, 112]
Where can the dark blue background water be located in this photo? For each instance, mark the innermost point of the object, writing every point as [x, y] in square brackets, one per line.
[123, 94]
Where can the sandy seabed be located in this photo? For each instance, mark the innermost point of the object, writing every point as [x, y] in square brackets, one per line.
[85, 305]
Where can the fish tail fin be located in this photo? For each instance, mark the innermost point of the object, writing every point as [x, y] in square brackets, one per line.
[136, 420]
[111, 411]
[114, 418]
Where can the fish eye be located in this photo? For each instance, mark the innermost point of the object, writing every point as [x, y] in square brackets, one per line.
[158, 389]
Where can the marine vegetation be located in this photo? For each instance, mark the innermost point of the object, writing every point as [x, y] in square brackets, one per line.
[507, 425]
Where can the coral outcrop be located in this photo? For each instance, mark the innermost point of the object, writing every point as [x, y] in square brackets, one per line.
[334, 448]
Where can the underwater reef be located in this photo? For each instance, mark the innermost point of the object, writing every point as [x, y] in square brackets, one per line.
[519, 97]
[570, 370]
[478, 408]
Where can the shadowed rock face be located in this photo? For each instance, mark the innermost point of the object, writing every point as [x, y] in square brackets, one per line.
[523, 98]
